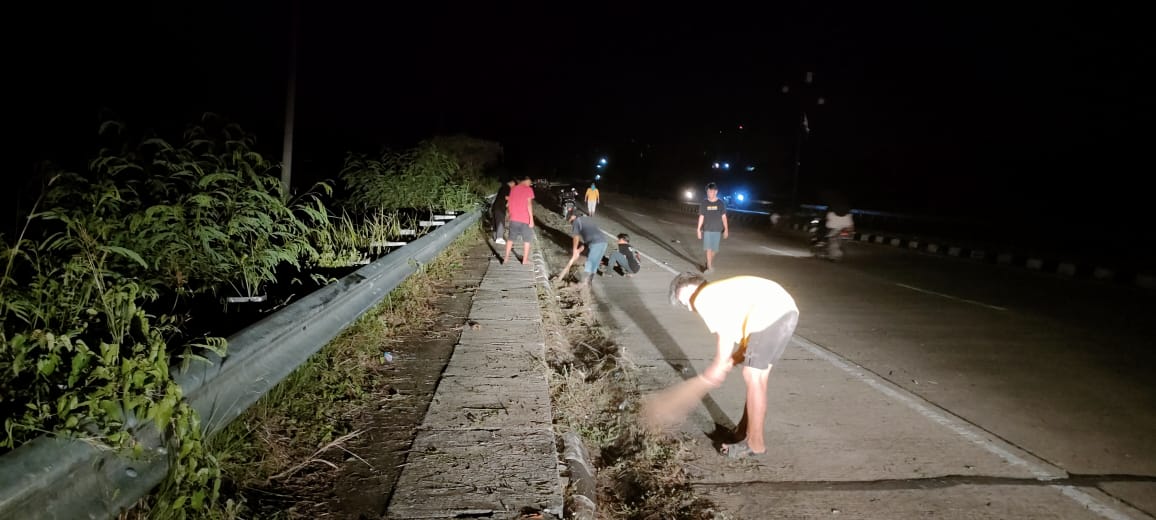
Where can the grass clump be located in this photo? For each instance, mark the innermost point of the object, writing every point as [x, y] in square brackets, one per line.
[594, 390]
[303, 428]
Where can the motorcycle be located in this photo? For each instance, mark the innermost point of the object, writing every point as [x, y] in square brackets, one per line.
[823, 244]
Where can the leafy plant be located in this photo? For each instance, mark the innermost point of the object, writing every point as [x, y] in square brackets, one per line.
[423, 177]
[81, 353]
[84, 358]
[206, 214]
[472, 155]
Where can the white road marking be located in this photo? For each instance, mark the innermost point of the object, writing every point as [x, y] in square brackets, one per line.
[782, 252]
[667, 222]
[960, 427]
[950, 297]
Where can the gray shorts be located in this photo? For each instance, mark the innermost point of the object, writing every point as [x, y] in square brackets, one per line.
[764, 348]
[522, 231]
[711, 240]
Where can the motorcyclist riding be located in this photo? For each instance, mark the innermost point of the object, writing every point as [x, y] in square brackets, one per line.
[840, 227]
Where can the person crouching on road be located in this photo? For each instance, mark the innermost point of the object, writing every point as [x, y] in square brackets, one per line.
[585, 231]
[626, 257]
[754, 319]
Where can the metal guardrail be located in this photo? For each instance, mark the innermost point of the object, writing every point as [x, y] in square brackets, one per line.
[64, 478]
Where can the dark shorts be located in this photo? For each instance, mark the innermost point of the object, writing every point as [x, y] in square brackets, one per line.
[522, 231]
[764, 348]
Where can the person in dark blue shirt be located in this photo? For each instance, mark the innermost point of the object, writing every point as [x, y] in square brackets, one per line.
[586, 232]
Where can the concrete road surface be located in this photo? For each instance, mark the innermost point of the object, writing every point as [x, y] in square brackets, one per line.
[916, 386]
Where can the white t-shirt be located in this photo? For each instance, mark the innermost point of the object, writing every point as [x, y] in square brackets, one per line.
[736, 307]
[835, 222]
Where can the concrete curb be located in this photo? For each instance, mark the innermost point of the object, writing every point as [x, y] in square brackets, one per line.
[584, 500]
[583, 503]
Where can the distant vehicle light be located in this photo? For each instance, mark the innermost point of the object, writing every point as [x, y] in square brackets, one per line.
[726, 166]
[750, 168]
[716, 166]
[689, 194]
[740, 197]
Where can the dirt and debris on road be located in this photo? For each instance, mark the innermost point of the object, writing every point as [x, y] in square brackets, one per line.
[640, 474]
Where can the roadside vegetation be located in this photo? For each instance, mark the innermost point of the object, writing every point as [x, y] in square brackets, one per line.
[303, 427]
[103, 287]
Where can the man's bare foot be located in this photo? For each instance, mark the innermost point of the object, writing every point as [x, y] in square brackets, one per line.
[524, 262]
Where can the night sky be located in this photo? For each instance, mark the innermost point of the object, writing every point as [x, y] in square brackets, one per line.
[973, 110]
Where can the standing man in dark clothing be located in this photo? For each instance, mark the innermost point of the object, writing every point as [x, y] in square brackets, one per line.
[498, 210]
[712, 224]
[585, 231]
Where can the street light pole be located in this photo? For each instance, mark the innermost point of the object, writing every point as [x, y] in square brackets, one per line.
[798, 162]
[803, 130]
[290, 104]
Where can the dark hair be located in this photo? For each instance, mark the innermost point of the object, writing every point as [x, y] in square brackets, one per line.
[525, 178]
[711, 186]
[624, 236]
[686, 279]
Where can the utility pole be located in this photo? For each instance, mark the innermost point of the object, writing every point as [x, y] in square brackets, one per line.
[797, 163]
[802, 101]
[290, 103]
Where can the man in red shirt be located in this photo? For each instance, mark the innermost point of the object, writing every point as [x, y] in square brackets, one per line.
[521, 210]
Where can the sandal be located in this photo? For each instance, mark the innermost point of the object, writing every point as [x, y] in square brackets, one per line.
[740, 450]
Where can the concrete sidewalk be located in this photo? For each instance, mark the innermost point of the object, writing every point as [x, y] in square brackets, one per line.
[486, 447]
[840, 439]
